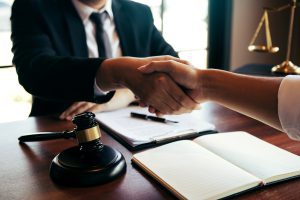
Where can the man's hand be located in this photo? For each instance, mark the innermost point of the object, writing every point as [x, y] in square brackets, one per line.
[184, 75]
[121, 99]
[157, 90]
[109, 76]
[76, 108]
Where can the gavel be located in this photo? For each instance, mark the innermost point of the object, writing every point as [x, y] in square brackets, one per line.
[89, 163]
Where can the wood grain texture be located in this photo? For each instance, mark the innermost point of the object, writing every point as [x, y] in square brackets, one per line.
[24, 167]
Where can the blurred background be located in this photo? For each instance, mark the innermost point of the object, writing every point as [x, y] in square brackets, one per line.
[15, 102]
[208, 33]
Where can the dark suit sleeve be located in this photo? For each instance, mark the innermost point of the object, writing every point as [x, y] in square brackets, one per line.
[41, 72]
[158, 44]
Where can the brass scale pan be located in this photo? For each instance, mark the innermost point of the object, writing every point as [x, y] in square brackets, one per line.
[262, 49]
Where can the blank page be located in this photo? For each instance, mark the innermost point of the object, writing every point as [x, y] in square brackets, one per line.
[256, 156]
[139, 131]
[192, 172]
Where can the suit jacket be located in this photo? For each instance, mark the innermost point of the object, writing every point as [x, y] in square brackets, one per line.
[51, 55]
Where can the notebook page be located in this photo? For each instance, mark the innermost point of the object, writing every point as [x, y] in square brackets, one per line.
[256, 156]
[192, 172]
[138, 131]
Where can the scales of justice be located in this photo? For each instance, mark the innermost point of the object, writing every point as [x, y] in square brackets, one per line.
[286, 67]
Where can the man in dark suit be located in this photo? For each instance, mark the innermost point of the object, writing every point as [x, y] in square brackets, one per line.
[58, 62]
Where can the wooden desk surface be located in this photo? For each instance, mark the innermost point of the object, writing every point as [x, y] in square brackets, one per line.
[24, 168]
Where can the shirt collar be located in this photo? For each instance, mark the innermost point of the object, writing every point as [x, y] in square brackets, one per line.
[85, 11]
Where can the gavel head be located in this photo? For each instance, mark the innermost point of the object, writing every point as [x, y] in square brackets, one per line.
[87, 132]
[84, 120]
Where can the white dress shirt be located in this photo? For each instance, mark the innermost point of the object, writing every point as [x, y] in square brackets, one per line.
[109, 28]
[289, 106]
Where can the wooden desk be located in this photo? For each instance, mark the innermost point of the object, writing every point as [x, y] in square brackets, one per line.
[24, 168]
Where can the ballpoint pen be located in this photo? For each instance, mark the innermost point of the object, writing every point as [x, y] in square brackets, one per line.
[152, 118]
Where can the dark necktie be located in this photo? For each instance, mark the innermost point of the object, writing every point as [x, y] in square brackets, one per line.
[100, 34]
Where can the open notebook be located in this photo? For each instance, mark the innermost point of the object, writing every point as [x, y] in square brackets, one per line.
[217, 165]
[139, 133]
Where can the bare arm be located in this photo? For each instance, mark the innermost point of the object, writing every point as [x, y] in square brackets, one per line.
[253, 96]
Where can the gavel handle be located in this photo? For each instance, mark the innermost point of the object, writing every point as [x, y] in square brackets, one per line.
[42, 136]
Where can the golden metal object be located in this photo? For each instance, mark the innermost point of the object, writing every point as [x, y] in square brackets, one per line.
[262, 49]
[88, 135]
[287, 67]
[268, 48]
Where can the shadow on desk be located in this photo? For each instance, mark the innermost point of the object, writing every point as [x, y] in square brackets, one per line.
[257, 70]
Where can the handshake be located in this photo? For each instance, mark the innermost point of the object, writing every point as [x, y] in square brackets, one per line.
[167, 85]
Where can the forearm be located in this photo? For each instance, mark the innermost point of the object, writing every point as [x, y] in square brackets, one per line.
[253, 96]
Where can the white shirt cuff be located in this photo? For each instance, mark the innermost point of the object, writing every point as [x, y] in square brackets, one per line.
[289, 106]
[98, 91]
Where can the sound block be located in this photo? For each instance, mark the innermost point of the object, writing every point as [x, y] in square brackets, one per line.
[73, 167]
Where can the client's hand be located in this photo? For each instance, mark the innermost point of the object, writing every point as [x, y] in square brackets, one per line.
[184, 75]
[122, 98]
[157, 90]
